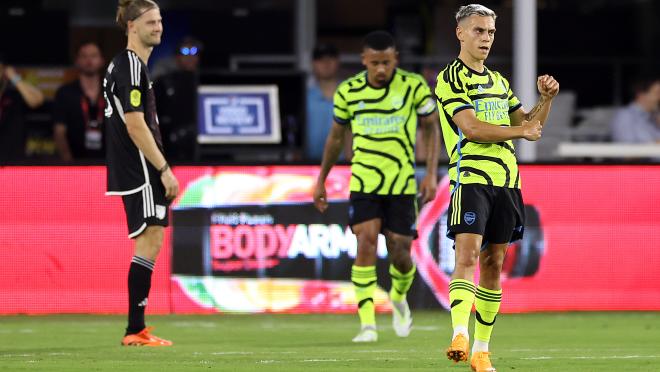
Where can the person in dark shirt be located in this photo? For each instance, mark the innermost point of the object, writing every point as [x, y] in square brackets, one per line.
[137, 169]
[176, 94]
[78, 110]
[15, 95]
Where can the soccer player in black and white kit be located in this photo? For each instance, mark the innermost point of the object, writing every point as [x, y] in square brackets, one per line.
[137, 169]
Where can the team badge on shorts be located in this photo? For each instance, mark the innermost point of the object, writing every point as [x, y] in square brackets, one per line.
[160, 211]
[469, 217]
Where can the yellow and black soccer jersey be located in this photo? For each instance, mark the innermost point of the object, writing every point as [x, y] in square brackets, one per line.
[384, 123]
[489, 95]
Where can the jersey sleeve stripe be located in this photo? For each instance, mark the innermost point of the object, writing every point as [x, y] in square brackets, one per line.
[138, 70]
[421, 101]
[340, 120]
[425, 114]
[461, 108]
[132, 69]
[427, 109]
[135, 70]
[514, 108]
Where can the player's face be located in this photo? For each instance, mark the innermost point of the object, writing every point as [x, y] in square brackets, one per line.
[380, 64]
[476, 34]
[325, 67]
[149, 27]
[89, 60]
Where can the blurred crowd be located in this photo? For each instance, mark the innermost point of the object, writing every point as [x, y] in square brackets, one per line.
[77, 110]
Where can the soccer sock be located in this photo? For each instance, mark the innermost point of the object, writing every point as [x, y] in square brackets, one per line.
[461, 297]
[487, 304]
[400, 283]
[139, 283]
[364, 282]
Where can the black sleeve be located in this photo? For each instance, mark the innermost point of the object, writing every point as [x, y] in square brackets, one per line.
[130, 79]
[59, 107]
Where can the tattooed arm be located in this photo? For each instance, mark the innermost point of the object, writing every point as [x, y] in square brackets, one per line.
[548, 88]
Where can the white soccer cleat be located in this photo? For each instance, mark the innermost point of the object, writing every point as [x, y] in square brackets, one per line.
[367, 334]
[401, 318]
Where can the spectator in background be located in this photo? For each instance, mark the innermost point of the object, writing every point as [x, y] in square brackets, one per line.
[15, 93]
[176, 94]
[320, 93]
[636, 122]
[79, 109]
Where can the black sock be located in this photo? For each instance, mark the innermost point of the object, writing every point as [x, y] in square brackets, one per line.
[139, 283]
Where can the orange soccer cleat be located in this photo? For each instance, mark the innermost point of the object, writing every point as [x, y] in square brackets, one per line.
[144, 338]
[480, 362]
[459, 349]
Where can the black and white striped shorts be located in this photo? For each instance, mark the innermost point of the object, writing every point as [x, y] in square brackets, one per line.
[146, 208]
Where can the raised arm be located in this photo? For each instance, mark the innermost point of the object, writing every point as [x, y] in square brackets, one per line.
[548, 88]
[31, 95]
[478, 131]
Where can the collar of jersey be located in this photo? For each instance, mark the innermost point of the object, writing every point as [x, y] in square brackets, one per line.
[475, 72]
[137, 55]
[396, 70]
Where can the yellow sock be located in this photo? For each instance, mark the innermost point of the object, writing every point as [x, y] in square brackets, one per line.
[400, 283]
[461, 298]
[487, 304]
[364, 282]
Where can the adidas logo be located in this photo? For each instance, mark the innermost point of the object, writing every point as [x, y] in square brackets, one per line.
[480, 89]
[143, 303]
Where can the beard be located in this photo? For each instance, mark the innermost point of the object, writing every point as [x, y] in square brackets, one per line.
[151, 41]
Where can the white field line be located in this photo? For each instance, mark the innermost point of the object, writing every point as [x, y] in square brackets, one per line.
[594, 357]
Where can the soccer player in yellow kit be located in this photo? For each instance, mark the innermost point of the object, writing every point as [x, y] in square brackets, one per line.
[480, 115]
[381, 107]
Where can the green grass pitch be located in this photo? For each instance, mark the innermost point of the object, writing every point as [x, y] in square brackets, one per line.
[532, 342]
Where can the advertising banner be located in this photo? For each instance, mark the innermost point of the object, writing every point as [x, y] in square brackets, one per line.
[248, 239]
[238, 114]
